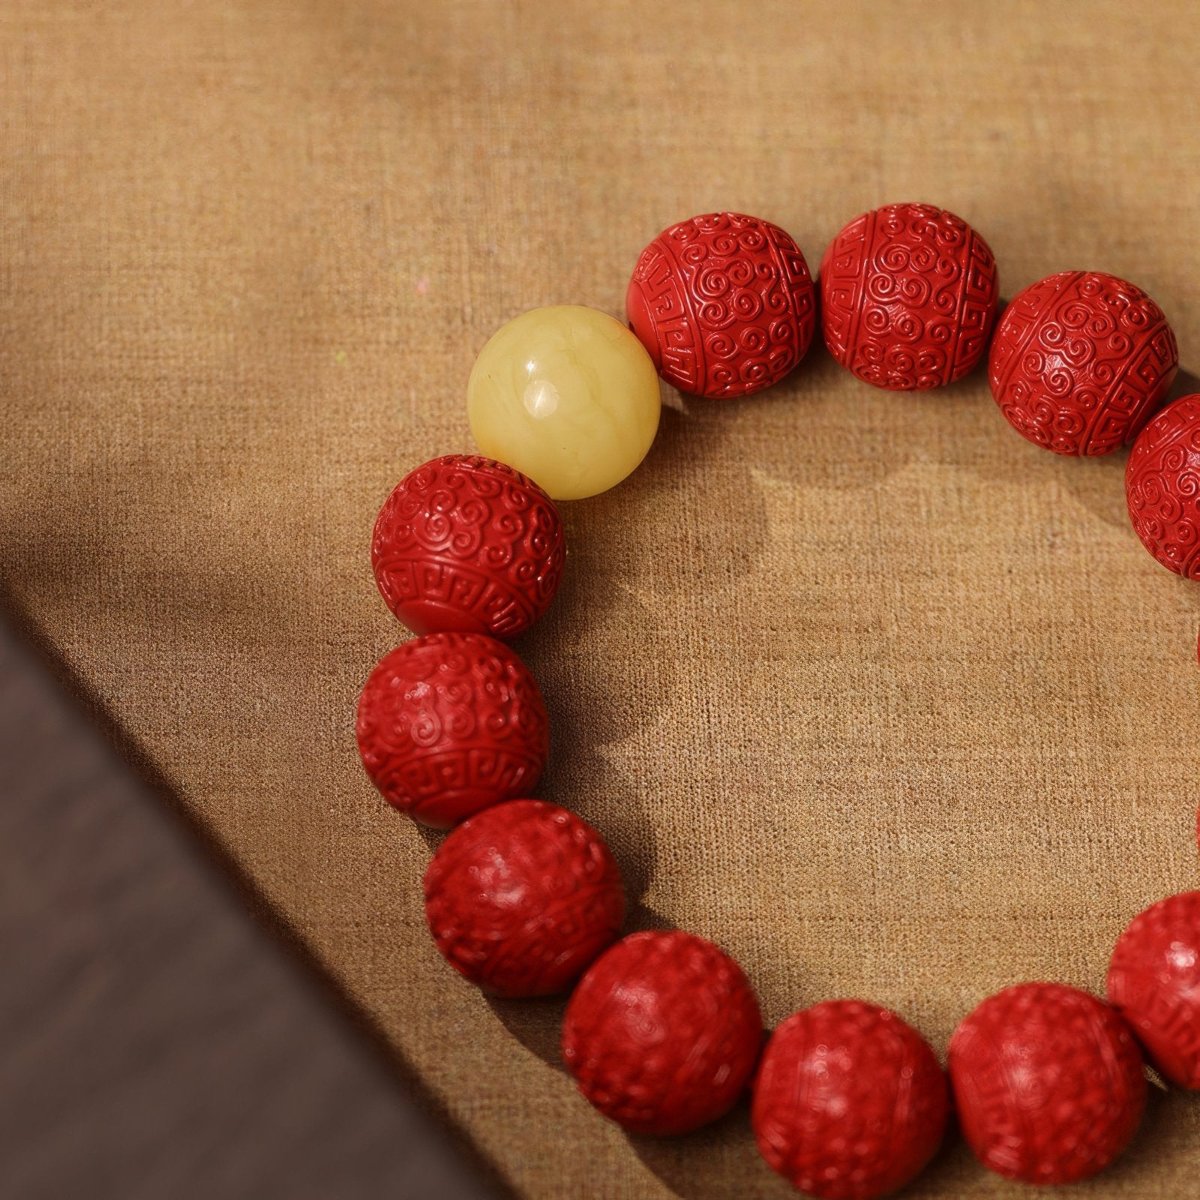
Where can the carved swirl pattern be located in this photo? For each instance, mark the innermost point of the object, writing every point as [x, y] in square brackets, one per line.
[849, 1101]
[1048, 1083]
[466, 543]
[1162, 486]
[522, 897]
[724, 304]
[1080, 362]
[662, 1032]
[908, 297]
[449, 723]
[1154, 981]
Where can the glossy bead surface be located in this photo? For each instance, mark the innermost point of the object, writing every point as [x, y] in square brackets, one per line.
[1048, 1082]
[522, 896]
[908, 297]
[1162, 486]
[449, 723]
[1154, 982]
[468, 545]
[724, 303]
[662, 1033]
[1080, 362]
[849, 1101]
[566, 395]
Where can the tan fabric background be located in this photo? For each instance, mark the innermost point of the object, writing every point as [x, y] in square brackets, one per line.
[882, 698]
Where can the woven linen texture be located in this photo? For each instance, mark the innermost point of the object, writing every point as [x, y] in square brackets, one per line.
[885, 700]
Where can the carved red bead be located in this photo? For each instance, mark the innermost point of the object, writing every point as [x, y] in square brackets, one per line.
[449, 723]
[724, 304]
[1154, 982]
[908, 297]
[1048, 1083]
[662, 1033]
[521, 897]
[466, 544]
[1162, 486]
[1080, 362]
[849, 1102]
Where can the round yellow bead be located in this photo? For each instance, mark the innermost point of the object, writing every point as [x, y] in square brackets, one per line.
[569, 396]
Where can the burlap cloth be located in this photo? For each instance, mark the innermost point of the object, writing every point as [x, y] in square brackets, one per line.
[882, 698]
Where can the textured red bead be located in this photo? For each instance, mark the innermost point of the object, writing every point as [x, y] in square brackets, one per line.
[849, 1102]
[662, 1033]
[1048, 1082]
[908, 297]
[466, 544]
[723, 303]
[1080, 362]
[1154, 982]
[1162, 486]
[522, 897]
[449, 723]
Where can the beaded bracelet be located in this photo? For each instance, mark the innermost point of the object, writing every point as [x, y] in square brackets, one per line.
[662, 1031]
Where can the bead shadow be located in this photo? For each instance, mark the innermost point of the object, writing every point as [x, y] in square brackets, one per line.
[1168, 1122]
[690, 548]
[537, 1024]
[722, 1162]
[962, 427]
[818, 393]
[860, 436]
[595, 702]
[958, 426]
[718, 1162]
[591, 705]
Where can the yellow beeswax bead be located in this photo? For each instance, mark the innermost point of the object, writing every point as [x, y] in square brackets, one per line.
[569, 396]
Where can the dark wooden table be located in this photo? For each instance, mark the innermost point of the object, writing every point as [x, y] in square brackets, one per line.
[156, 1039]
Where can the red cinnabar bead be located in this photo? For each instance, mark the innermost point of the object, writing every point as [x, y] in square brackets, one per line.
[908, 297]
[1048, 1083]
[450, 723]
[467, 544]
[723, 303]
[1154, 981]
[662, 1033]
[521, 897]
[1080, 361]
[1162, 486]
[849, 1102]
